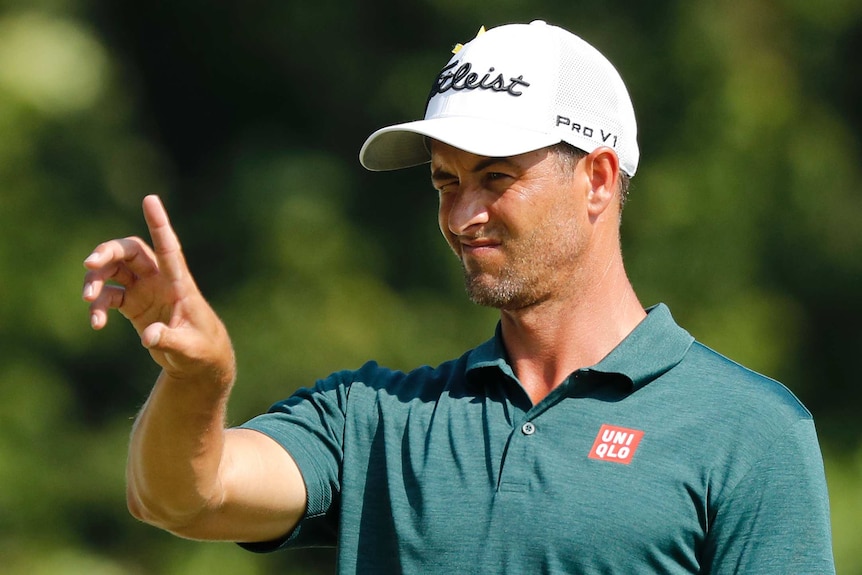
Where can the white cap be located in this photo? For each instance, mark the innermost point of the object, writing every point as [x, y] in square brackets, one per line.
[514, 89]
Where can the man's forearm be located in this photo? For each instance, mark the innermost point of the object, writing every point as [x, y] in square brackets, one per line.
[175, 451]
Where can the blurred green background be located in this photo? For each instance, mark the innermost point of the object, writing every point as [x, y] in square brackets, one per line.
[745, 217]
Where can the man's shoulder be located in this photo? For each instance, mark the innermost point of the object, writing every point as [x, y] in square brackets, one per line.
[420, 381]
[734, 386]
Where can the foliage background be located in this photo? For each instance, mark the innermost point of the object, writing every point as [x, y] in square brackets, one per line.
[247, 117]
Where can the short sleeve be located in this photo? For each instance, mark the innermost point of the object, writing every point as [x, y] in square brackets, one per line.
[776, 519]
[310, 427]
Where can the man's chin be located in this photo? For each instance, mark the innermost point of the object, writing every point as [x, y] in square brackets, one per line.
[490, 294]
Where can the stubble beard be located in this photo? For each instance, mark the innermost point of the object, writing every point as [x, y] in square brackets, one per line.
[506, 290]
[531, 274]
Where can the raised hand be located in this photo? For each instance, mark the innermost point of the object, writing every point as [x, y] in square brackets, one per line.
[185, 472]
[153, 288]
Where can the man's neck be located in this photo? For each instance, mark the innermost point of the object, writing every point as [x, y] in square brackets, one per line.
[549, 341]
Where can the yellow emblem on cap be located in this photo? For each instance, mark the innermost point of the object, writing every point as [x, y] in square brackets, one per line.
[458, 47]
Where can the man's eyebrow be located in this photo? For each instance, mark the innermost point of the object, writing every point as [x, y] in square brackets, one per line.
[440, 174]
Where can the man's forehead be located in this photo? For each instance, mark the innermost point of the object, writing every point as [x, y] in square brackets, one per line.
[438, 148]
[443, 155]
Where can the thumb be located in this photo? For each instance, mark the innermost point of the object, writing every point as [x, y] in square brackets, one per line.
[153, 335]
[162, 343]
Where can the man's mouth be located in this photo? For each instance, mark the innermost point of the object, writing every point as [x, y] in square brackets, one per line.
[476, 246]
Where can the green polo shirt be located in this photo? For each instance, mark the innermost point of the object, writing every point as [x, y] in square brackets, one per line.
[664, 457]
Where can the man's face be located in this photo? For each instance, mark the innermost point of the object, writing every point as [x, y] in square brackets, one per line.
[517, 224]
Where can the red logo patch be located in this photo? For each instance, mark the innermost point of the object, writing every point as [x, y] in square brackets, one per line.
[616, 444]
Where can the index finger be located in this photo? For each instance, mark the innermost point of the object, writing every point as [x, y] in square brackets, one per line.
[166, 244]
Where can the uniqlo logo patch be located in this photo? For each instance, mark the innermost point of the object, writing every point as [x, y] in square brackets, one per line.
[616, 444]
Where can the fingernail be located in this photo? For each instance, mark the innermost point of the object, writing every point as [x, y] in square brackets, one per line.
[88, 290]
[94, 321]
[151, 339]
[91, 258]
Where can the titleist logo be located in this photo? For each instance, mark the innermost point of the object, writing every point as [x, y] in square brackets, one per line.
[463, 78]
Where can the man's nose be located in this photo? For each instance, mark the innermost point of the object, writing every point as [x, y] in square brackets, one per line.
[469, 209]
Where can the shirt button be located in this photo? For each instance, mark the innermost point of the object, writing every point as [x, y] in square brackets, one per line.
[528, 428]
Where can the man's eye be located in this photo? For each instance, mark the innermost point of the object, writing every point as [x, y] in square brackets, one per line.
[447, 186]
[496, 176]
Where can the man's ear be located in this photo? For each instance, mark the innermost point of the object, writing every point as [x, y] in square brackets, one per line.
[603, 171]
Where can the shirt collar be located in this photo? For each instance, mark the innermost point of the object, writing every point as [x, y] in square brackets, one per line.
[492, 353]
[655, 346]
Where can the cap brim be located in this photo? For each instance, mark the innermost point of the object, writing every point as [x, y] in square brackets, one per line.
[404, 145]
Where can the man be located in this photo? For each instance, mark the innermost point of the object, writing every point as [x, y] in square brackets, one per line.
[589, 435]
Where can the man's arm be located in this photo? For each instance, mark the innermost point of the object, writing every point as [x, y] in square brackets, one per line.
[776, 520]
[186, 473]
